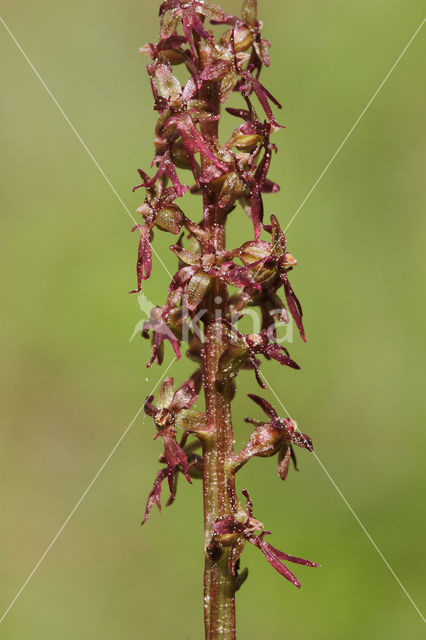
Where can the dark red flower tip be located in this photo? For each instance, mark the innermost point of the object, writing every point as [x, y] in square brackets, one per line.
[274, 556]
[294, 305]
[155, 494]
[144, 262]
[174, 457]
[165, 167]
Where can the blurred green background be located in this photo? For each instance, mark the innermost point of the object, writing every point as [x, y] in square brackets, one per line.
[71, 381]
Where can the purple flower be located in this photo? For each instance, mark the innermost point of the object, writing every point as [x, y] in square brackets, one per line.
[188, 13]
[165, 167]
[192, 140]
[161, 330]
[241, 350]
[229, 526]
[275, 263]
[253, 136]
[168, 51]
[158, 210]
[263, 95]
[192, 281]
[278, 435]
[171, 413]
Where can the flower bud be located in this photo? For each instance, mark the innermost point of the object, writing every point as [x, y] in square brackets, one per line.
[254, 251]
[243, 38]
[169, 218]
[159, 127]
[167, 84]
[169, 23]
[227, 86]
[232, 360]
[179, 155]
[230, 188]
[249, 12]
[171, 56]
[247, 142]
[265, 441]
[197, 289]
[192, 421]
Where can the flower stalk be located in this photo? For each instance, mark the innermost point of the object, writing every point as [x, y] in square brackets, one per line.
[215, 286]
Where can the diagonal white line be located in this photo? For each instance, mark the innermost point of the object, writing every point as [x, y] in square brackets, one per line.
[335, 154]
[80, 500]
[79, 138]
[350, 508]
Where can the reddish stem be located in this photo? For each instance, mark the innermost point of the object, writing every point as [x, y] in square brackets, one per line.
[218, 484]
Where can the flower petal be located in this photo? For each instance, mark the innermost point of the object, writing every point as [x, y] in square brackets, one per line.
[284, 461]
[187, 393]
[264, 405]
[194, 422]
[185, 256]
[293, 305]
[144, 262]
[197, 289]
[193, 140]
[155, 495]
[165, 167]
[165, 393]
[174, 457]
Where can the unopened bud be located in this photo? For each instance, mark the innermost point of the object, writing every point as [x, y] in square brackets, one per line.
[265, 441]
[167, 84]
[171, 56]
[230, 187]
[249, 12]
[247, 142]
[169, 218]
[243, 38]
[179, 155]
[254, 251]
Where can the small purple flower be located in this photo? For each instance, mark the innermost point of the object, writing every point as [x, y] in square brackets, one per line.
[192, 140]
[242, 350]
[188, 13]
[193, 280]
[229, 526]
[275, 264]
[167, 168]
[171, 413]
[277, 436]
[161, 330]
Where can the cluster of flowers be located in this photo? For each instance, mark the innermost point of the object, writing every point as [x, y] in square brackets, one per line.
[235, 172]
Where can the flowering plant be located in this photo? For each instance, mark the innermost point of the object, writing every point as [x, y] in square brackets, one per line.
[200, 309]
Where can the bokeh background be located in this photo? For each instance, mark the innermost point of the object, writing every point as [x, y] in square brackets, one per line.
[71, 378]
